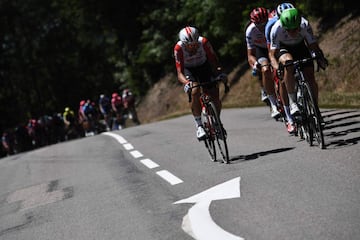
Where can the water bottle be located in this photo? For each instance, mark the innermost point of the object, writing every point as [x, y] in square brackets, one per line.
[204, 115]
[203, 110]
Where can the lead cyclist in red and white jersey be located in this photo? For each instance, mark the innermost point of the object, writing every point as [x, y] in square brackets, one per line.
[195, 60]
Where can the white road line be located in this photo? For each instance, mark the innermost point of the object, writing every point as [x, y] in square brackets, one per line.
[120, 139]
[136, 154]
[128, 146]
[149, 163]
[166, 175]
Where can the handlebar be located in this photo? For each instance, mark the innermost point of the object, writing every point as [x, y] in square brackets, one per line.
[218, 79]
[300, 61]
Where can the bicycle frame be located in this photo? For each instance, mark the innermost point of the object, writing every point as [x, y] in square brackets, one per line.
[215, 133]
[309, 124]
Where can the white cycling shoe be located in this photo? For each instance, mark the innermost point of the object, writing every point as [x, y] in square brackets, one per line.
[200, 133]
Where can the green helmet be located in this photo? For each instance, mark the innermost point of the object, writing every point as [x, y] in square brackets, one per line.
[290, 19]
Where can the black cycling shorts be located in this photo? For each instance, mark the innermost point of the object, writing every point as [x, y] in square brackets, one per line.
[202, 73]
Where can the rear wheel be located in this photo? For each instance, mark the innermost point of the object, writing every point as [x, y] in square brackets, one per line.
[220, 133]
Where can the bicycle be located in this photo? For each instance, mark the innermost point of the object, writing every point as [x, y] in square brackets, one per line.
[215, 133]
[309, 124]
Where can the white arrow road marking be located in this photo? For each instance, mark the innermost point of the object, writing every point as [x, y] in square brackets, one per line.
[198, 222]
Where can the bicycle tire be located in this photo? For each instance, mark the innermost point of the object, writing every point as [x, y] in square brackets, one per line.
[220, 136]
[210, 136]
[314, 118]
[303, 126]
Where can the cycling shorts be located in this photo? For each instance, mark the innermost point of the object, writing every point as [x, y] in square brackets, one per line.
[202, 73]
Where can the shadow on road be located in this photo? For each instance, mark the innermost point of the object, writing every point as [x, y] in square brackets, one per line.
[342, 128]
[258, 154]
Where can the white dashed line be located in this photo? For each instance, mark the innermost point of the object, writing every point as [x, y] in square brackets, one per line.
[166, 175]
[128, 146]
[136, 154]
[150, 164]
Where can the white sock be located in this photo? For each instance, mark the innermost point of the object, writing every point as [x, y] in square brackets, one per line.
[272, 100]
[288, 115]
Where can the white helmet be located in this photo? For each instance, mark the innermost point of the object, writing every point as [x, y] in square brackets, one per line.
[283, 6]
[189, 35]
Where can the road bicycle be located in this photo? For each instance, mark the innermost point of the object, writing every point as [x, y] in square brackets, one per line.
[309, 123]
[215, 141]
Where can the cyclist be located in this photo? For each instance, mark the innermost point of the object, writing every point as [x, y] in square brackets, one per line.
[258, 56]
[129, 105]
[195, 59]
[117, 108]
[281, 86]
[292, 38]
[105, 109]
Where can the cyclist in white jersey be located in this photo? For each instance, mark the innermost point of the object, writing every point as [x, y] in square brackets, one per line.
[292, 38]
[290, 126]
[258, 56]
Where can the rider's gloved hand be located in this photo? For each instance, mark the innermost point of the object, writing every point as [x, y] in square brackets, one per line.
[320, 58]
[187, 87]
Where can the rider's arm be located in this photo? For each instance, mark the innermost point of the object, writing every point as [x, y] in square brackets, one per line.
[211, 56]
[273, 61]
[251, 54]
[179, 64]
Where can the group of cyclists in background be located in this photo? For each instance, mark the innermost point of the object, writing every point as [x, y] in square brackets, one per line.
[91, 118]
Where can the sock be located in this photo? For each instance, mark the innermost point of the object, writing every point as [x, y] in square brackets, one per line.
[288, 115]
[292, 98]
[272, 100]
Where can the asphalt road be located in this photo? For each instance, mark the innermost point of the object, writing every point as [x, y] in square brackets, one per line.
[156, 181]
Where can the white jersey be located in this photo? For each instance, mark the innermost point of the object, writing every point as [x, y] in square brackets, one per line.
[192, 60]
[279, 36]
[254, 37]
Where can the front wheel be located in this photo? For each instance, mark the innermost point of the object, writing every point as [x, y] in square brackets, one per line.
[210, 136]
[314, 118]
[220, 133]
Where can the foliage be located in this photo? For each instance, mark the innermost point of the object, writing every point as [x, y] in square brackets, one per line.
[55, 53]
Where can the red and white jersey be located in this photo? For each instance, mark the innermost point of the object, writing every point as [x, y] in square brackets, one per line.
[184, 59]
[254, 37]
[279, 36]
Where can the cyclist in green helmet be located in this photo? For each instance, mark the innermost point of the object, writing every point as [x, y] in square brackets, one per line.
[292, 38]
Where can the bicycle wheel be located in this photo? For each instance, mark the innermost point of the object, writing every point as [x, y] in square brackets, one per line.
[303, 126]
[220, 134]
[314, 118]
[210, 135]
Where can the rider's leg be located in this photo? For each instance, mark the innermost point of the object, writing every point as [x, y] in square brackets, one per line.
[269, 85]
[195, 105]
